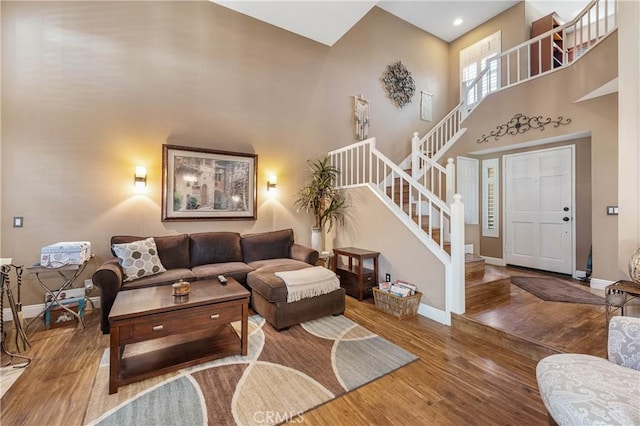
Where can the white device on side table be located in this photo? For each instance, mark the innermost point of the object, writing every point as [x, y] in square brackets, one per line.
[222, 279]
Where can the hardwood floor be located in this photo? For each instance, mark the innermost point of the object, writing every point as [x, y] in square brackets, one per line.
[460, 378]
[567, 327]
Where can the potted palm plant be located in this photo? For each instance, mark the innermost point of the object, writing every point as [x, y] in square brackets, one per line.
[320, 197]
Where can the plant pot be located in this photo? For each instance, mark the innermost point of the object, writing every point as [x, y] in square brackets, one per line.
[316, 239]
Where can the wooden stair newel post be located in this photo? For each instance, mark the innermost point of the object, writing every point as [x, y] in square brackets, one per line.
[456, 290]
[415, 166]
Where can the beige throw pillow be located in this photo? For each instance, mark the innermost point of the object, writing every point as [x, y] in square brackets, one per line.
[138, 259]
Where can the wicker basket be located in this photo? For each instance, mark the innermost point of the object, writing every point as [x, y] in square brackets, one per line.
[399, 307]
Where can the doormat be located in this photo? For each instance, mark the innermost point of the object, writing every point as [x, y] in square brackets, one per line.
[554, 290]
[284, 375]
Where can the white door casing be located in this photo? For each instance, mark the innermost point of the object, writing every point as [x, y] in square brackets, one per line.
[467, 172]
[539, 217]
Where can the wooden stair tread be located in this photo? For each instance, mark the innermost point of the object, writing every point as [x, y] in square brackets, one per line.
[474, 267]
[491, 275]
[485, 285]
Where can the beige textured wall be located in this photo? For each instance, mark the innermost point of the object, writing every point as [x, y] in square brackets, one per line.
[629, 135]
[515, 30]
[531, 14]
[92, 89]
[401, 253]
[599, 116]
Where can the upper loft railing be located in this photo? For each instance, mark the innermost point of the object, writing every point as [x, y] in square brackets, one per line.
[514, 66]
[555, 49]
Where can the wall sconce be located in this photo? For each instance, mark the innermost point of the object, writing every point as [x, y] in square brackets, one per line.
[271, 183]
[140, 178]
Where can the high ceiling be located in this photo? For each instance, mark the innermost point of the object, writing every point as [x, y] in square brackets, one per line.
[327, 21]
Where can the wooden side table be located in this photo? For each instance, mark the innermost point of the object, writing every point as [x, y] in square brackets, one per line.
[617, 295]
[68, 275]
[357, 280]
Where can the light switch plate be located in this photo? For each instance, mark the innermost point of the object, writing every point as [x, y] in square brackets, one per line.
[612, 210]
[18, 221]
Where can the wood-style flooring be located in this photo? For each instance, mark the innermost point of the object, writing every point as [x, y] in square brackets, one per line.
[461, 378]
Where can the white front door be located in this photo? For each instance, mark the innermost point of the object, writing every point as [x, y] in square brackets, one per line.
[539, 211]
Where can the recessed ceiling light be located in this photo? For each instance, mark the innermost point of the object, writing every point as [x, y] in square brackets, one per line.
[457, 22]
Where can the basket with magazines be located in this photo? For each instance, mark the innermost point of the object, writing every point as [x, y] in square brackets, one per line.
[398, 306]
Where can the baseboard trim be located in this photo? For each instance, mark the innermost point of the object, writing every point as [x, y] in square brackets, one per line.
[30, 311]
[599, 283]
[578, 275]
[495, 261]
[434, 314]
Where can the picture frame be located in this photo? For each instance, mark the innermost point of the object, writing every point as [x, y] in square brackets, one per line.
[426, 106]
[206, 184]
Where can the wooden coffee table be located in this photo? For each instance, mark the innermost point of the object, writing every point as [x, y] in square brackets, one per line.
[166, 333]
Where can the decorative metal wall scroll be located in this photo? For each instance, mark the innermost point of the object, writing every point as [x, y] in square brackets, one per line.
[520, 123]
[361, 113]
[399, 84]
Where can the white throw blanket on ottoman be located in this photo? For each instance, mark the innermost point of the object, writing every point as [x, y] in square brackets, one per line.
[308, 282]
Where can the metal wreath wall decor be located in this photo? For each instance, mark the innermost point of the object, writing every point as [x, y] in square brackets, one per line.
[399, 84]
[520, 123]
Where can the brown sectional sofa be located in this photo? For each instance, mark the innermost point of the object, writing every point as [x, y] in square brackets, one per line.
[251, 259]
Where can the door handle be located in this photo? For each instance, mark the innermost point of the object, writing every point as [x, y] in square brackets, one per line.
[566, 219]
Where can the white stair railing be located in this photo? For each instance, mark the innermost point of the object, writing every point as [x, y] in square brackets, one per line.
[362, 164]
[436, 139]
[514, 66]
[425, 214]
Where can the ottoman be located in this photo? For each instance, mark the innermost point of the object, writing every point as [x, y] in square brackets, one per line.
[269, 298]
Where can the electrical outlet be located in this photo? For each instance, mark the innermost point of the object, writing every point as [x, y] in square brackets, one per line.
[387, 277]
[88, 284]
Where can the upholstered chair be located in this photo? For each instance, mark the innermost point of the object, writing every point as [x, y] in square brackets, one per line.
[580, 389]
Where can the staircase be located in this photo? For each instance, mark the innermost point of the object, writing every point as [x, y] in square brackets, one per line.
[420, 191]
[399, 192]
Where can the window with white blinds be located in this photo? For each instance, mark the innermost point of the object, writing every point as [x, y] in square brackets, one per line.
[473, 60]
[490, 206]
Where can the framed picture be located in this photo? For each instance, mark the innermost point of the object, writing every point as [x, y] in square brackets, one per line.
[426, 106]
[204, 184]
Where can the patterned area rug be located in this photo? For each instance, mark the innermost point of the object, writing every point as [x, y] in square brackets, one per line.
[285, 374]
[556, 291]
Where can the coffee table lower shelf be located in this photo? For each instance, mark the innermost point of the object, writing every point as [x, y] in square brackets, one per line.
[140, 361]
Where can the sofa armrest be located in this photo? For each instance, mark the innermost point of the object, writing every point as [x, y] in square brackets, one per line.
[623, 343]
[108, 277]
[304, 253]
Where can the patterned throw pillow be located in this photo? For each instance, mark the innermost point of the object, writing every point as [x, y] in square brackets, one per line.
[138, 259]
